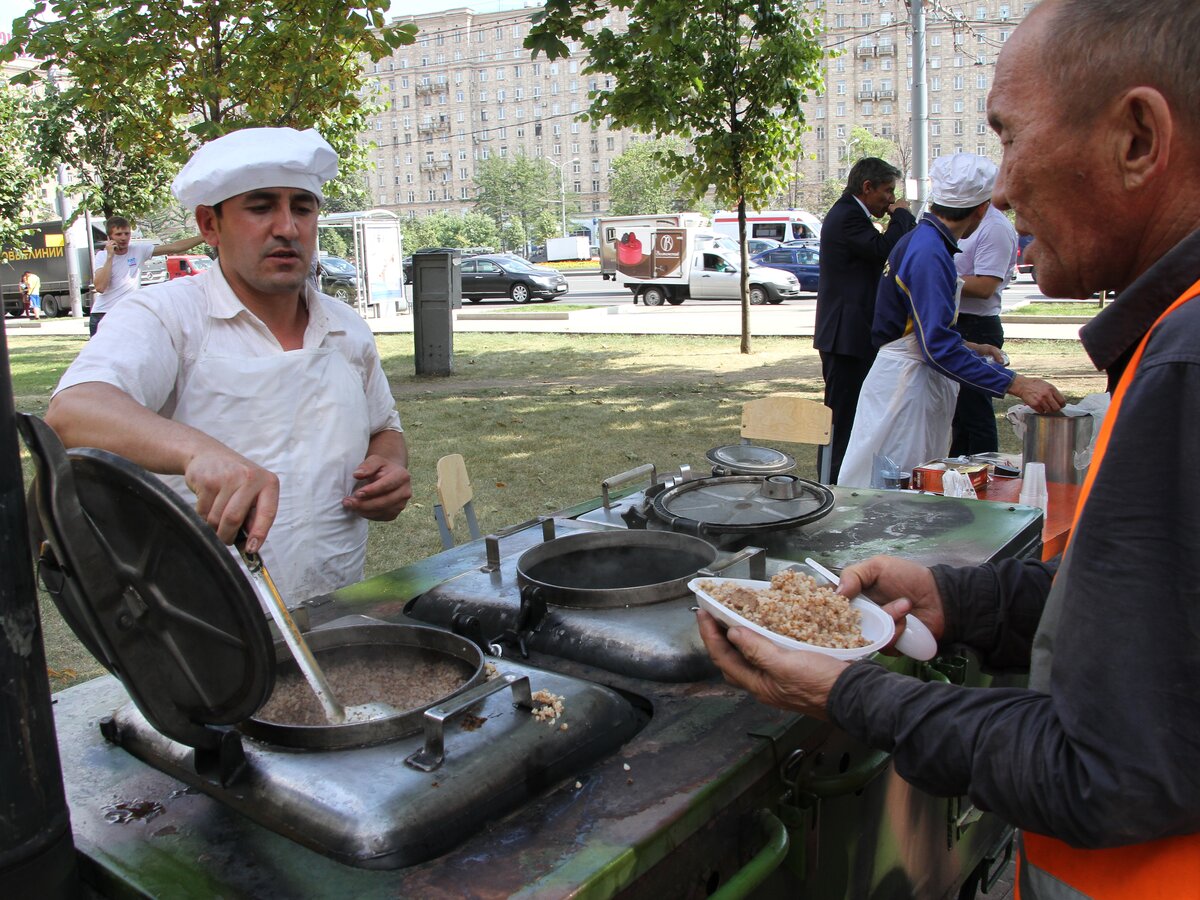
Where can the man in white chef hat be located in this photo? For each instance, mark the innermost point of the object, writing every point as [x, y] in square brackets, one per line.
[907, 402]
[258, 399]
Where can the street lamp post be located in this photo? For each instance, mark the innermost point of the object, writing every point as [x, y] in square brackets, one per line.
[562, 190]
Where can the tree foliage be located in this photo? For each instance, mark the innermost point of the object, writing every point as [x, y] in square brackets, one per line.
[168, 75]
[445, 229]
[20, 171]
[523, 195]
[729, 76]
[643, 182]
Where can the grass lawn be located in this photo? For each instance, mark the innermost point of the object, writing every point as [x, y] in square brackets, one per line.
[1074, 308]
[543, 419]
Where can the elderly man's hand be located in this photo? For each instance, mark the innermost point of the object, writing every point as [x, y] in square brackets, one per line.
[789, 679]
[384, 490]
[232, 493]
[900, 587]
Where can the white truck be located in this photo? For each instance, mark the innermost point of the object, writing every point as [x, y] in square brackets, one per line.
[564, 248]
[671, 264]
[612, 228]
[781, 225]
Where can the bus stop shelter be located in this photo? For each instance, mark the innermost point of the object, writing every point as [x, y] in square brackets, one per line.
[378, 255]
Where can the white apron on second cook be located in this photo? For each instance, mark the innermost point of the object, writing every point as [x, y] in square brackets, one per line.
[302, 415]
[904, 412]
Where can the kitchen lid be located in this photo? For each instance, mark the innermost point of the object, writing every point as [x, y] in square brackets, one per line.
[148, 587]
[749, 459]
[742, 503]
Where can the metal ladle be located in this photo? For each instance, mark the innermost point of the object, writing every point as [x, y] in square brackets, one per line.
[335, 712]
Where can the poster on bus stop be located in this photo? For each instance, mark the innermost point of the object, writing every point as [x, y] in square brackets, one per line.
[385, 273]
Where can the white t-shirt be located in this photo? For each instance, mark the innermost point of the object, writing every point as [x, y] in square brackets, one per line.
[126, 275]
[990, 250]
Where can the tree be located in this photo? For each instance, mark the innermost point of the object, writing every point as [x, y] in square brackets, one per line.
[729, 76]
[195, 71]
[346, 193]
[20, 172]
[642, 183]
[515, 191]
[445, 229]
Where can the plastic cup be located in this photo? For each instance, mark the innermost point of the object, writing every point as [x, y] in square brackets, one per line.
[1033, 486]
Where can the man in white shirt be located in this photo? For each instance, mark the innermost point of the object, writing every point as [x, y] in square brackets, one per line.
[984, 263]
[260, 400]
[117, 268]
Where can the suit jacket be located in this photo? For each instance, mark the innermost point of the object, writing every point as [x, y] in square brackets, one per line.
[853, 253]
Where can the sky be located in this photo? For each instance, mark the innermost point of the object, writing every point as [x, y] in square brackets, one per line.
[11, 9]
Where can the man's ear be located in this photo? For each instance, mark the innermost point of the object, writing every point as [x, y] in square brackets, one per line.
[1143, 127]
[206, 222]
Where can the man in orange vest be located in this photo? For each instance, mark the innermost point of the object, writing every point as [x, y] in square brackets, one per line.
[1098, 761]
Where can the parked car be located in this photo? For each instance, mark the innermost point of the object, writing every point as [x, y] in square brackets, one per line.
[761, 245]
[1023, 264]
[186, 265]
[154, 270]
[338, 277]
[509, 276]
[804, 262]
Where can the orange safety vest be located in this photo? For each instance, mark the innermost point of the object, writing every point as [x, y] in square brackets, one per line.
[1165, 869]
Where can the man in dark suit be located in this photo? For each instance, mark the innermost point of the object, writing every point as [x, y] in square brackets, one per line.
[853, 253]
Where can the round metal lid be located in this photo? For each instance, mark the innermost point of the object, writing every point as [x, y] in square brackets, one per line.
[144, 580]
[743, 503]
[749, 459]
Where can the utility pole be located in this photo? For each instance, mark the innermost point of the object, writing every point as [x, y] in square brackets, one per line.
[64, 211]
[920, 107]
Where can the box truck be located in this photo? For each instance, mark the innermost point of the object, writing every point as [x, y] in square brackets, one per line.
[565, 248]
[41, 249]
[613, 228]
[668, 264]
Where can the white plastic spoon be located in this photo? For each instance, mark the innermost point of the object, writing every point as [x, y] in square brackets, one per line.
[917, 642]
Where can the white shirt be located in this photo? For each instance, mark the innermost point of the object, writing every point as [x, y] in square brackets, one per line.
[990, 250]
[148, 345]
[126, 275]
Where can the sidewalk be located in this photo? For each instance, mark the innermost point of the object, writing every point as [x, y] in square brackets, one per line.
[789, 319]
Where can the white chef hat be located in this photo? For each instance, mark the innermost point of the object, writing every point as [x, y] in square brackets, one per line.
[961, 180]
[255, 158]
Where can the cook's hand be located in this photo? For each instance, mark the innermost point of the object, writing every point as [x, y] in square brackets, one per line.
[232, 493]
[899, 204]
[789, 679]
[900, 587]
[385, 489]
[1041, 395]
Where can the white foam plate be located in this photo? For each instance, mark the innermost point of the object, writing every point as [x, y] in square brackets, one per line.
[876, 625]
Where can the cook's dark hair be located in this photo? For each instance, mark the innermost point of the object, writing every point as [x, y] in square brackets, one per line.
[115, 222]
[954, 213]
[1157, 47]
[872, 169]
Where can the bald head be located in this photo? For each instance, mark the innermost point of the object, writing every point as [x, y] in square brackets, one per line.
[1103, 47]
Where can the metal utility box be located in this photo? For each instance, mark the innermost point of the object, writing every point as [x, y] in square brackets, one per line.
[437, 289]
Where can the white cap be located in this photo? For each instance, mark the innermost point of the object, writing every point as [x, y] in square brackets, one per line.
[961, 181]
[255, 158]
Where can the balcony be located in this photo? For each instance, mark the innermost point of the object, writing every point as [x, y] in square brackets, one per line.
[866, 48]
[865, 96]
[433, 165]
[433, 126]
[885, 48]
[433, 88]
[885, 94]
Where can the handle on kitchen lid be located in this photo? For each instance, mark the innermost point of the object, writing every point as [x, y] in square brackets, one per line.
[917, 642]
[634, 474]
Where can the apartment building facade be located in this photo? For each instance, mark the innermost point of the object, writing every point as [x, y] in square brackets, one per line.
[468, 90]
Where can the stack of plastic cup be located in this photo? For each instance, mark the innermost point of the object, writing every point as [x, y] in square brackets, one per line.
[1033, 486]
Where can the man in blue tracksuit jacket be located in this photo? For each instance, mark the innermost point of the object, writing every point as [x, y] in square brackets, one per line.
[907, 402]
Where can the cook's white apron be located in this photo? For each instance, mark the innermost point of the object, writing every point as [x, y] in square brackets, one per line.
[302, 415]
[904, 412]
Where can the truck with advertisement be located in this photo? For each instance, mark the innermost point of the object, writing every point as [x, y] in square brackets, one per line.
[670, 264]
[781, 225]
[613, 229]
[41, 250]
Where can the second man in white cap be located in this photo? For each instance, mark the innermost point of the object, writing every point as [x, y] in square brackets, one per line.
[907, 402]
[261, 401]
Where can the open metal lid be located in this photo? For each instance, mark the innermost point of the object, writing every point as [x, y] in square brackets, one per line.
[742, 504]
[149, 589]
[749, 459]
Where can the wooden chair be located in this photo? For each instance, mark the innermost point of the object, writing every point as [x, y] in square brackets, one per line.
[454, 495]
[791, 419]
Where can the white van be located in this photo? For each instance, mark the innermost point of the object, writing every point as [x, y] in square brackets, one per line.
[781, 225]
